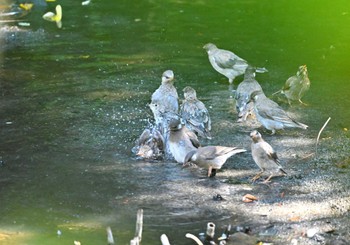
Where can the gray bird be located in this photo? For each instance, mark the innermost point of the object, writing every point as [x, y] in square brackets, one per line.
[162, 119]
[150, 144]
[166, 95]
[244, 92]
[226, 62]
[195, 114]
[265, 157]
[181, 140]
[271, 115]
[211, 157]
[296, 86]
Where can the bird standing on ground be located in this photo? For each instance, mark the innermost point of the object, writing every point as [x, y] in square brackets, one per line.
[271, 115]
[181, 140]
[265, 157]
[244, 92]
[226, 62]
[296, 86]
[195, 114]
[211, 157]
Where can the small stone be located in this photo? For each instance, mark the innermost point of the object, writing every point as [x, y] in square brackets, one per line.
[311, 232]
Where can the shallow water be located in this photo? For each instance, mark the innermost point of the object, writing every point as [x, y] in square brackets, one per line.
[73, 101]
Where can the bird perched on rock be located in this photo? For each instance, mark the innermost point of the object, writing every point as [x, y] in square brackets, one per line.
[296, 86]
[265, 157]
[211, 157]
[271, 115]
[166, 95]
[226, 62]
[181, 140]
[150, 144]
[195, 114]
[244, 92]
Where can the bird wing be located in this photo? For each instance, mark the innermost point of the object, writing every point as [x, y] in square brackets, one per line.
[271, 154]
[226, 59]
[271, 110]
[196, 114]
[192, 137]
[290, 82]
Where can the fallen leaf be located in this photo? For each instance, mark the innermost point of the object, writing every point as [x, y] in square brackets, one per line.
[295, 218]
[249, 198]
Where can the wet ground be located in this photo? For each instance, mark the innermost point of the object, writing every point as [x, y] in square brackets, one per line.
[73, 102]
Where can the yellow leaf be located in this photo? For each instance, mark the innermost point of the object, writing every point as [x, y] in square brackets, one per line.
[26, 6]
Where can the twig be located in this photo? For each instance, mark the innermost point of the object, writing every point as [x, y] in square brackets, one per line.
[110, 239]
[210, 230]
[138, 232]
[319, 134]
[193, 237]
[164, 239]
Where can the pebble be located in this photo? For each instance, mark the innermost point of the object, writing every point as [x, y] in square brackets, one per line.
[311, 232]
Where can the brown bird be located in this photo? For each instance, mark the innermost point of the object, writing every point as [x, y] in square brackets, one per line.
[271, 115]
[296, 86]
[195, 114]
[211, 157]
[181, 140]
[265, 157]
[150, 144]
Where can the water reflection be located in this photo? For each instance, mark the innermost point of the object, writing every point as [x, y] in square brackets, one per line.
[73, 100]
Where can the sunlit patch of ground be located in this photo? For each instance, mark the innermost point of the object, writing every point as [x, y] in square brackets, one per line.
[13, 237]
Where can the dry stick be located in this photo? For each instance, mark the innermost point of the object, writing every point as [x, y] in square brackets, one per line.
[210, 230]
[138, 232]
[164, 239]
[193, 237]
[319, 134]
[110, 239]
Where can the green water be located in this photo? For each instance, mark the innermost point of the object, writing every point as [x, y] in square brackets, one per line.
[73, 100]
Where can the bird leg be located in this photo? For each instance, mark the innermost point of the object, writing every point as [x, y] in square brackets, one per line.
[209, 171]
[257, 176]
[302, 102]
[268, 179]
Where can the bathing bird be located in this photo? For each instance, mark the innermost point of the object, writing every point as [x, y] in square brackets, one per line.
[211, 157]
[265, 157]
[181, 140]
[166, 95]
[195, 114]
[150, 144]
[271, 115]
[164, 105]
[296, 86]
[244, 92]
[226, 62]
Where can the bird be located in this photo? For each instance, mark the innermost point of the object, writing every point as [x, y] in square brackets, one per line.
[296, 86]
[244, 91]
[211, 157]
[181, 140]
[271, 115]
[166, 95]
[265, 157]
[226, 62]
[195, 114]
[150, 144]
